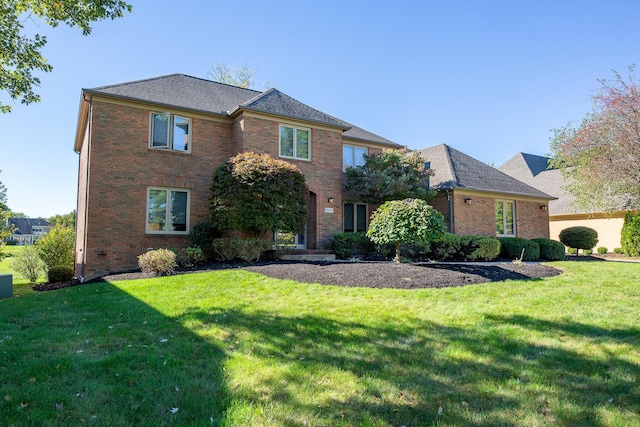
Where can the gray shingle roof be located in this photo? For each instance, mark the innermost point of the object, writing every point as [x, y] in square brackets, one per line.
[454, 169]
[25, 225]
[182, 91]
[534, 171]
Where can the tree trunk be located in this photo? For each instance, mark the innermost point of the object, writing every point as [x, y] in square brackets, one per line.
[397, 258]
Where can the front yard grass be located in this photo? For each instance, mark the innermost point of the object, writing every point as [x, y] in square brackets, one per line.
[20, 283]
[236, 348]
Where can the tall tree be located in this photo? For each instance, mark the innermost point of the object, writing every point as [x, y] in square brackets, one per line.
[21, 56]
[600, 156]
[389, 175]
[236, 76]
[258, 193]
[3, 193]
[66, 220]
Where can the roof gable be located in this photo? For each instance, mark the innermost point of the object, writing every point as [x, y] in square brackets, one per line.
[25, 225]
[454, 169]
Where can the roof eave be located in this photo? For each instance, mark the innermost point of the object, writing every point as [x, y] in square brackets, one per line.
[240, 109]
[390, 144]
[496, 192]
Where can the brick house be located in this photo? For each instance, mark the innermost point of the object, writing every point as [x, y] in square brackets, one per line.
[476, 198]
[535, 171]
[147, 151]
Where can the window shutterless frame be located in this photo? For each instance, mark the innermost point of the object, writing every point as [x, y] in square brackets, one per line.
[169, 132]
[167, 210]
[294, 142]
[353, 155]
[505, 218]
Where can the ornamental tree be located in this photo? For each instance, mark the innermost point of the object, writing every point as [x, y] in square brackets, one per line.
[389, 175]
[600, 157]
[405, 221]
[258, 193]
[21, 56]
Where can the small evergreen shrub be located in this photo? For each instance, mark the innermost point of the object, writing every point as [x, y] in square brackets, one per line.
[630, 234]
[587, 251]
[579, 237]
[193, 256]
[618, 251]
[572, 251]
[57, 247]
[551, 250]
[202, 237]
[60, 274]
[602, 250]
[28, 264]
[479, 248]
[250, 250]
[160, 262]
[446, 247]
[511, 247]
[348, 245]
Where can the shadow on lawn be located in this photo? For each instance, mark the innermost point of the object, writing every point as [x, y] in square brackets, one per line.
[110, 359]
[417, 372]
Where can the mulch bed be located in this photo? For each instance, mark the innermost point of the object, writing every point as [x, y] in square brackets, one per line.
[384, 274]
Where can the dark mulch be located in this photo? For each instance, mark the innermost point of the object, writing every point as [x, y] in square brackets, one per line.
[369, 274]
[403, 276]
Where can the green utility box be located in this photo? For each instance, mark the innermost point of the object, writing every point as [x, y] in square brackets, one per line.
[6, 286]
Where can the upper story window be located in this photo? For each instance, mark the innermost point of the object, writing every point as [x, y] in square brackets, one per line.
[295, 142]
[167, 211]
[170, 132]
[353, 156]
[505, 218]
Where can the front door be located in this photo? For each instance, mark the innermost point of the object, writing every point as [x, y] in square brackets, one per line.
[291, 240]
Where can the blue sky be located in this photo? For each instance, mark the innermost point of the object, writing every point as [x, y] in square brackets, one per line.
[490, 79]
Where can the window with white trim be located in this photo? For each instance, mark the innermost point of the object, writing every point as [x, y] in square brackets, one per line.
[354, 217]
[167, 211]
[505, 218]
[295, 142]
[170, 132]
[353, 155]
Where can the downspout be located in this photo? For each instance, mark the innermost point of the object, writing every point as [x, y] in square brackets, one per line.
[86, 190]
[451, 216]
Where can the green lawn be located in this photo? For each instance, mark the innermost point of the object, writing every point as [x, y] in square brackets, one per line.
[235, 348]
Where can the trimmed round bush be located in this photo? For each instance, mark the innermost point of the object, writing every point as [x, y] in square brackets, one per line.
[60, 273]
[511, 247]
[347, 245]
[618, 251]
[579, 237]
[572, 251]
[479, 248]
[160, 262]
[446, 247]
[202, 236]
[587, 251]
[550, 249]
[602, 250]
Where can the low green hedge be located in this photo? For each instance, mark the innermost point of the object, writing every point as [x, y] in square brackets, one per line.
[347, 245]
[511, 247]
[479, 248]
[551, 250]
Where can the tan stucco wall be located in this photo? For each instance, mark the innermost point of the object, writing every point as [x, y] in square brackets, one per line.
[608, 229]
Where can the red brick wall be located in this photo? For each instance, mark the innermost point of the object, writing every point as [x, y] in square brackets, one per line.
[477, 218]
[122, 167]
[531, 221]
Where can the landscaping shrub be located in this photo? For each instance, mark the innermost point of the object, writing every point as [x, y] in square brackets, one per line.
[572, 251]
[28, 264]
[60, 274]
[602, 250]
[579, 237]
[479, 248]
[57, 247]
[511, 247]
[446, 247]
[347, 245]
[587, 251]
[160, 262]
[630, 234]
[249, 250]
[202, 237]
[193, 256]
[551, 250]
[618, 251]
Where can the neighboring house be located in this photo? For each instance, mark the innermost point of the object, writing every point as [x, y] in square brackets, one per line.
[25, 231]
[476, 198]
[535, 171]
[148, 150]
